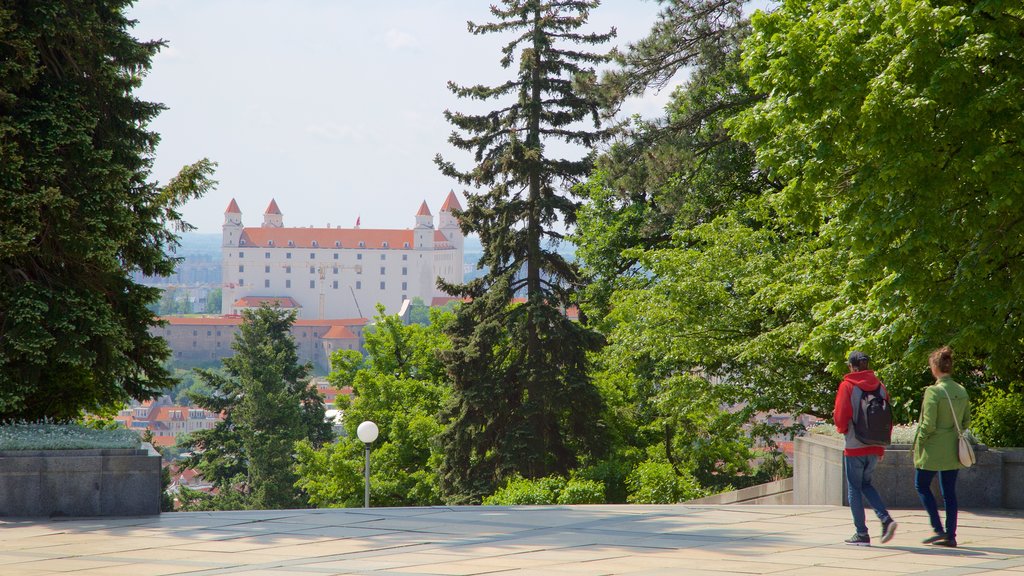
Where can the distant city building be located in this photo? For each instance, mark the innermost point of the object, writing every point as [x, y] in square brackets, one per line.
[337, 272]
[198, 340]
[165, 421]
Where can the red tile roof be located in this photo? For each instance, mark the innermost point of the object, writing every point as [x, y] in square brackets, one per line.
[257, 301]
[236, 320]
[233, 208]
[339, 333]
[423, 211]
[272, 207]
[333, 238]
[451, 202]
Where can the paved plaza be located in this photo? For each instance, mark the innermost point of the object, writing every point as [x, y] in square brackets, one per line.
[542, 540]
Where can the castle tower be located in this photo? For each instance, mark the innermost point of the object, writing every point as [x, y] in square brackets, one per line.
[272, 217]
[232, 227]
[423, 233]
[449, 225]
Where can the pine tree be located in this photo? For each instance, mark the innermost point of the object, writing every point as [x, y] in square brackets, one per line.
[78, 215]
[268, 404]
[524, 402]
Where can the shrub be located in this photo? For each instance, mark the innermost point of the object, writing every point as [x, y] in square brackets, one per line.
[579, 491]
[50, 436]
[998, 420]
[519, 491]
[657, 483]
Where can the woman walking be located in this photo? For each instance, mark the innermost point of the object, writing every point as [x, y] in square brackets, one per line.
[935, 448]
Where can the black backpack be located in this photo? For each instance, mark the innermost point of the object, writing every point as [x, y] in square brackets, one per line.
[872, 418]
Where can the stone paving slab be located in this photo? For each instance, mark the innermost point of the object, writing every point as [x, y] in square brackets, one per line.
[548, 540]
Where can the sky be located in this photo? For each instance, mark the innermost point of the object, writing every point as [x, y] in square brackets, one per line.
[331, 107]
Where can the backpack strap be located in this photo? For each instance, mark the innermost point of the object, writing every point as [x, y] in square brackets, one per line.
[855, 395]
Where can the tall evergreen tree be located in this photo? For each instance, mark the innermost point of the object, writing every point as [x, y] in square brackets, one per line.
[524, 401]
[268, 404]
[78, 215]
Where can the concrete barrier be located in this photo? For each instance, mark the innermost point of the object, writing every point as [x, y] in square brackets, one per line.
[73, 483]
[996, 481]
[770, 493]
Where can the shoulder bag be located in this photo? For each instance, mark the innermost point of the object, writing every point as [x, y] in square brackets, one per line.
[965, 452]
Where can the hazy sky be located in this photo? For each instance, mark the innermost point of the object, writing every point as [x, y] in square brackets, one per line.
[332, 107]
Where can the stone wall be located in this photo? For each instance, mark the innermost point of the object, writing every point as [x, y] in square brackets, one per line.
[57, 483]
[996, 481]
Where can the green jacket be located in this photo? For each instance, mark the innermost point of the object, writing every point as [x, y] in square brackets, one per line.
[935, 446]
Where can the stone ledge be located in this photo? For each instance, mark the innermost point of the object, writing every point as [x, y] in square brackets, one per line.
[73, 483]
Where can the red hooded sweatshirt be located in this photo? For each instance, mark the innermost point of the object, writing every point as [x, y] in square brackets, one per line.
[843, 413]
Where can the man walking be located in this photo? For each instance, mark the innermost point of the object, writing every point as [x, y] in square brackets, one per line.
[860, 458]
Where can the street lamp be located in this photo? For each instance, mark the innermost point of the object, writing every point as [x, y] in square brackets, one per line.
[367, 432]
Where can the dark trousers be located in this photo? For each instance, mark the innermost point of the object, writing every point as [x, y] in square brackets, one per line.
[947, 483]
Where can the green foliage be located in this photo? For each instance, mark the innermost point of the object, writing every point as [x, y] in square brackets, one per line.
[52, 436]
[402, 387]
[78, 214]
[269, 406]
[519, 491]
[998, 419]
[655, 482]
[895, 130]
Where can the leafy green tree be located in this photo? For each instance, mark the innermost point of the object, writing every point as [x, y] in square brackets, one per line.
[689, 270]
[523, 400]
[896, 130]
[213, 301]
[268, 404]
[401, 386]
[78, 213]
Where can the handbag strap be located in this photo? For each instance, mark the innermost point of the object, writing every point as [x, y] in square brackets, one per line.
[956, 420]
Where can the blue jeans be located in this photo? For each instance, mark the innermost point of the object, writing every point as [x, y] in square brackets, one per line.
[947, 483]
[858, 480]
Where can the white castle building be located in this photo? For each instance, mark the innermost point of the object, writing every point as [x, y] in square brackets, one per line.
[338, 272]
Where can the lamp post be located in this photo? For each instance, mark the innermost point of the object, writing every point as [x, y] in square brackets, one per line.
[367, 433]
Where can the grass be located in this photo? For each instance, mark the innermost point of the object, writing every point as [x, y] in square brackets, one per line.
[48, 436]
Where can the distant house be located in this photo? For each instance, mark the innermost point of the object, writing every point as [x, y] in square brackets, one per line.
[197, 340]
[166, 421]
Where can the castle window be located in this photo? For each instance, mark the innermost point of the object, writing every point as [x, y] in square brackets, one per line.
[266, 269]
[241, 254]
[335, 255]
[359, 285]
[288, 255]
[291, 244]
[335, 284]
[312, 283]
[382, 270]
[209, 333]
[405, 256]
[315, 244]
[266, 283]
[312, 270]
[383, 256]
[405, 271]
[287, 283]
[381, 285]
[241, 281]
[359, 256]
[195, 333]
[241, 242]
[312, 256]
[287, 269]
[362, 244]
[241, 269]
[337, 244]
[270, 243]
[405, 245]
[405, 285]
[266, 255]
[384, 244]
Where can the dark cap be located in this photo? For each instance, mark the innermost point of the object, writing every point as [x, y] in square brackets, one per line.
[857, 358]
